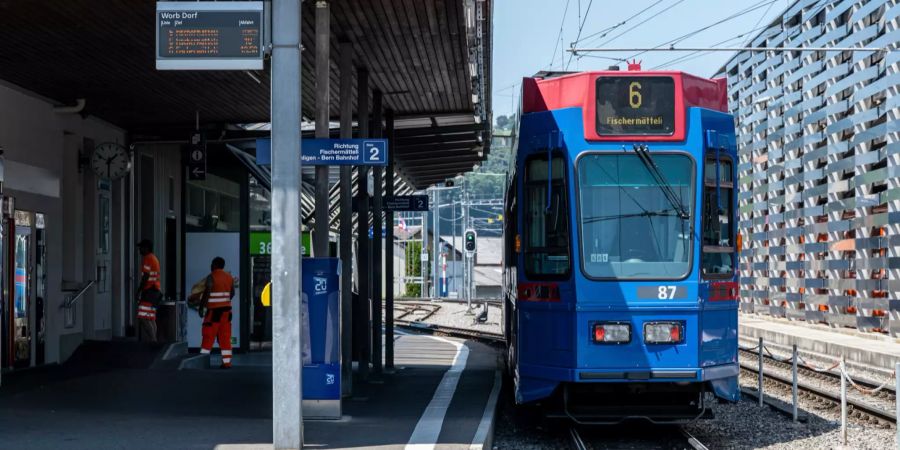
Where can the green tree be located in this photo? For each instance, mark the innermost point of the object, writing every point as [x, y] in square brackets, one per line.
[414, 260]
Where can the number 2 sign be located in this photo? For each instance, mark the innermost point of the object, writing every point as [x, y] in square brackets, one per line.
[374, 151]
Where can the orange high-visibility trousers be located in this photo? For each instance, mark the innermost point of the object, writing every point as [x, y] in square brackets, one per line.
[217, 325]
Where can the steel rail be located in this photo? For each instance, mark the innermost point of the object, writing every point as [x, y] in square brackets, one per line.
[836, 377]
[442, 330]
[692, 441]
[576, 439]
[887, 416]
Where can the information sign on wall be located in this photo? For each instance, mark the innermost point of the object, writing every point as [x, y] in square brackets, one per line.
[209, 35]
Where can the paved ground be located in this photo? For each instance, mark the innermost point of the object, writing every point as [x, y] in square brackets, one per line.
[62, 407]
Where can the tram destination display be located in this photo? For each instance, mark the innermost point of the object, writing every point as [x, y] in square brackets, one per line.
[634, 106]
[209, 35]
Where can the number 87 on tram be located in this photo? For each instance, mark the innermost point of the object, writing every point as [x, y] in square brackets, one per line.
[620, 265]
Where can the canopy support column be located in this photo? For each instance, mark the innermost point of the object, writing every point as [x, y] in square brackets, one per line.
[346, 236]
[287, 414]
[377, 242]
[389, 245]
[362, 237]
[323, 104]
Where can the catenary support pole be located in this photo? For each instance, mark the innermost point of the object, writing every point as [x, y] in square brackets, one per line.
[897, 406]
[759, 389]
[423, 268]
[389, 246]
[843, 402]
[362, 235]
[436, 235]
[287, 414]
[377, 242]
[323, 108]
[794, 382]
[346, 212]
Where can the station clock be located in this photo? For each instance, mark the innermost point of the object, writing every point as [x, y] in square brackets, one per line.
[110, 161]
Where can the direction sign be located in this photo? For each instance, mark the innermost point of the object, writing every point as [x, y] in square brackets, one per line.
[332, 152]
[406, 203]
[209, 35]
[197, 158]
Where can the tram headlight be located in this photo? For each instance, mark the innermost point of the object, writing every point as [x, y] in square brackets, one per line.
[612, 333]
[663, 332]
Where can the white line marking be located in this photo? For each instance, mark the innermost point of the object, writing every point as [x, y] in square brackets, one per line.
[428, 429]
[484, 427]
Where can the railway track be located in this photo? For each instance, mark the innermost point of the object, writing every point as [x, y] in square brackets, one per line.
[676, 437]
[443, 330]
[857, 409]
[887, 393]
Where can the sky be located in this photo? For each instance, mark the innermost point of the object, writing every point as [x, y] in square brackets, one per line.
[527, 35]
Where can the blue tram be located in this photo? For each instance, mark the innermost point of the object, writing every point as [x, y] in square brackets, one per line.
[620, 270]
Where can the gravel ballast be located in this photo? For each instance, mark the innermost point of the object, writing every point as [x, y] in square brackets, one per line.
[742, 425]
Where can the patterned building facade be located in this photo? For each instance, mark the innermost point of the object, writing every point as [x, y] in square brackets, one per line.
[819, 169]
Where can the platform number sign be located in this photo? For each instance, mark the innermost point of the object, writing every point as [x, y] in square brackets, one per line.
[374, 151]
[406, 203]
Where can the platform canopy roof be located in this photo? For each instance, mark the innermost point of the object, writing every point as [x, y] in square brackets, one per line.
[423, 55]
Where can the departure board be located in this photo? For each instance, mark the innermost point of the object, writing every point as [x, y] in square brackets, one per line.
[209, 35]
[634, 106]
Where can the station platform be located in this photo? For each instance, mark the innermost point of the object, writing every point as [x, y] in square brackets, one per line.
[442, 394]
[868, 351]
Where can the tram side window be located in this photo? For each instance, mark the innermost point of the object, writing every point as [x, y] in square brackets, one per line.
[546, 216]
[718, 220]
[509, 224]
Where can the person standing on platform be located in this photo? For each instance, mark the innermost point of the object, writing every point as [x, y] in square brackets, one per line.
[148, 294]
[215, 309]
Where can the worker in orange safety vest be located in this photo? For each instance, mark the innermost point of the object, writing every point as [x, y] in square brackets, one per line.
[215, 308]
[148, 293]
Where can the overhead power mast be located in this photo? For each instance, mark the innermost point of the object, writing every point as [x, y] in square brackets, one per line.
[287, 415]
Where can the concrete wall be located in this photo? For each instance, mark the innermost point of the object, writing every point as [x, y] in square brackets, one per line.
[819, 166]
[42, 173]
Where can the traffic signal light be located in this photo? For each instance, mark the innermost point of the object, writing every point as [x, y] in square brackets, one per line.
[470, 240]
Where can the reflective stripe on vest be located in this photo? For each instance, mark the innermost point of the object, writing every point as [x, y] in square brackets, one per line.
[146, 311]
[220, 292]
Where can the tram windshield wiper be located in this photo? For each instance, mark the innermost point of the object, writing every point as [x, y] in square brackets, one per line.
[644, 155]
[660, 213]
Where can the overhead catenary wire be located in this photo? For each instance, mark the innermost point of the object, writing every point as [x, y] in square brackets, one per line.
[580, 27]
[659, 13]
[678, 39]
[759, 21]
[691, 55]
[562, 23]
[606, 31]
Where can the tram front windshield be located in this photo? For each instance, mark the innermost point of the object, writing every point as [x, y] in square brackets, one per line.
[629, 228]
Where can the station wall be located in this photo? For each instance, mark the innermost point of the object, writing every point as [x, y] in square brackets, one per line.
[44, 173]
[819, 166]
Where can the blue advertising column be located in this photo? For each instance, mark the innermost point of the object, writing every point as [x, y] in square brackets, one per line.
[322, 345]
